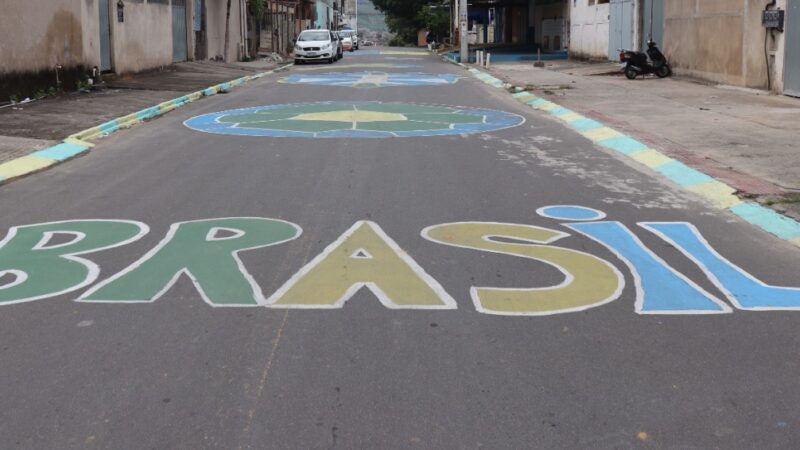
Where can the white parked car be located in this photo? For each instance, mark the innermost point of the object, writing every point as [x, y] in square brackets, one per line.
[316, 45]
[352, 35]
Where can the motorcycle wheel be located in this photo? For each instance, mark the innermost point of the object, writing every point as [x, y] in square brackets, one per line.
[663, 71]
[630, 73]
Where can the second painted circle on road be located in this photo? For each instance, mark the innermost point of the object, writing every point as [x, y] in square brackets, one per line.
[353, 120]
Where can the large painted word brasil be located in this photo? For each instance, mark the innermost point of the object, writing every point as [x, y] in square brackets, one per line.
[46, 260]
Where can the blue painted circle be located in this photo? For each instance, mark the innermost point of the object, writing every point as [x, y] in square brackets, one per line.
[282, 121]
[372, 79]
[569, 212]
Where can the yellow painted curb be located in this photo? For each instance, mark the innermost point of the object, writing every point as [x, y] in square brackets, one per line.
[651, 158]
[127, 121]
[88, 133]
[548, 106]
[76, 141]
[525, 98]
[24, 165]
[796, 241]
[598, 134]
[166, 107]
[570, 116]
[719, 193]
[194, 96]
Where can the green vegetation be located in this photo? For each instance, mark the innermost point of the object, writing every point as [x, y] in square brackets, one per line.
[406, 17]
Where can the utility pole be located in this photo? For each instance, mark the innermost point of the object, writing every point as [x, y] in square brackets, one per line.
[464, 38]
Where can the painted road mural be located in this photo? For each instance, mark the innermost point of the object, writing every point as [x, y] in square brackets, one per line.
[353, 120]
[45, 260]
[372, 79]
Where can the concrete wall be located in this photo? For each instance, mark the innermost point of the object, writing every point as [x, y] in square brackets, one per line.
[719, 40]
[144, 39]
[39, 34]
[589, 30]
[215, 29]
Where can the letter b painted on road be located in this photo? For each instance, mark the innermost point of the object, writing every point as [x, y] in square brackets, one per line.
[36, 262]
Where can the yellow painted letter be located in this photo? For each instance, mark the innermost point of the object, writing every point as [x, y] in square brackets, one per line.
[363, 256]
[589, 281]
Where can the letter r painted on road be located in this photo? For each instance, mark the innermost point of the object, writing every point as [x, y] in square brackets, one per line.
[363, 256]
[41, 268]
[198, 249]
[588, 280]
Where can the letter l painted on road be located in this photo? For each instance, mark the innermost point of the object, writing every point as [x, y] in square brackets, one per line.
[742, 289]
[660, 289]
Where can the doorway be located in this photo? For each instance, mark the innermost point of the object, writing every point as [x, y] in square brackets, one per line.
[620, 27]
[179, 31]
[105, 36]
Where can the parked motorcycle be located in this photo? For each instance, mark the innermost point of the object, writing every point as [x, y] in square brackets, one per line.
[641, 63]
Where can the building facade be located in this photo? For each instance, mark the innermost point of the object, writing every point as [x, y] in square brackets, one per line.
[722, 41]
[39, 37]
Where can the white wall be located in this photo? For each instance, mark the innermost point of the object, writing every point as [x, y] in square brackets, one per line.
[589, 30]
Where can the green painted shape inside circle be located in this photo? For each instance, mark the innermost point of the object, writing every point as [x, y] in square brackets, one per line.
[313, 126]
[444, 117]
[400, 108]
[419, 118]
[404, 125]
[256, 117]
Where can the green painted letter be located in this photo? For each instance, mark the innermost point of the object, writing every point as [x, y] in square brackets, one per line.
[42, 268]
[206, 251]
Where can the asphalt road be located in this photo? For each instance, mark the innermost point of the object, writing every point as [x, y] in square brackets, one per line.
[420, 365]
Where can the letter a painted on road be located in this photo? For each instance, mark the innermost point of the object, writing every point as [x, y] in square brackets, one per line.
[363, 256]
[206, 251]
[39, 263]
[588, 280]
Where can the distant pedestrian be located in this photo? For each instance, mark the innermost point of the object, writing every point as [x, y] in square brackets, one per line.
[430, 39]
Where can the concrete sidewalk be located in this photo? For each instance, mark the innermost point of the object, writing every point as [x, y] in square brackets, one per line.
[25, 128]
[748, 139]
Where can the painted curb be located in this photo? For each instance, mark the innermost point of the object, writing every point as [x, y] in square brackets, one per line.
[78, 143]
[718, 193]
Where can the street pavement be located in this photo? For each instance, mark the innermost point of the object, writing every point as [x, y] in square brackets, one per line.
[335, 261]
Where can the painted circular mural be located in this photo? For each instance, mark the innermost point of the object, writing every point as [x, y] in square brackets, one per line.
[353, 120]
[372, 79]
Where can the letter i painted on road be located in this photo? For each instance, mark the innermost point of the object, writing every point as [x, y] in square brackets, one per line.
[742, 289]
[42, 264]
[660, 288]
[363, 256]
[206, 251]
[588, 280]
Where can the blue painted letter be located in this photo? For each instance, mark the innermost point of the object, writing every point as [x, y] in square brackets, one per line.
[660, 289]
[741, 288]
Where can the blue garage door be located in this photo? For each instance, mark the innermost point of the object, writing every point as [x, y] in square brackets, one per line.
[178, 30]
